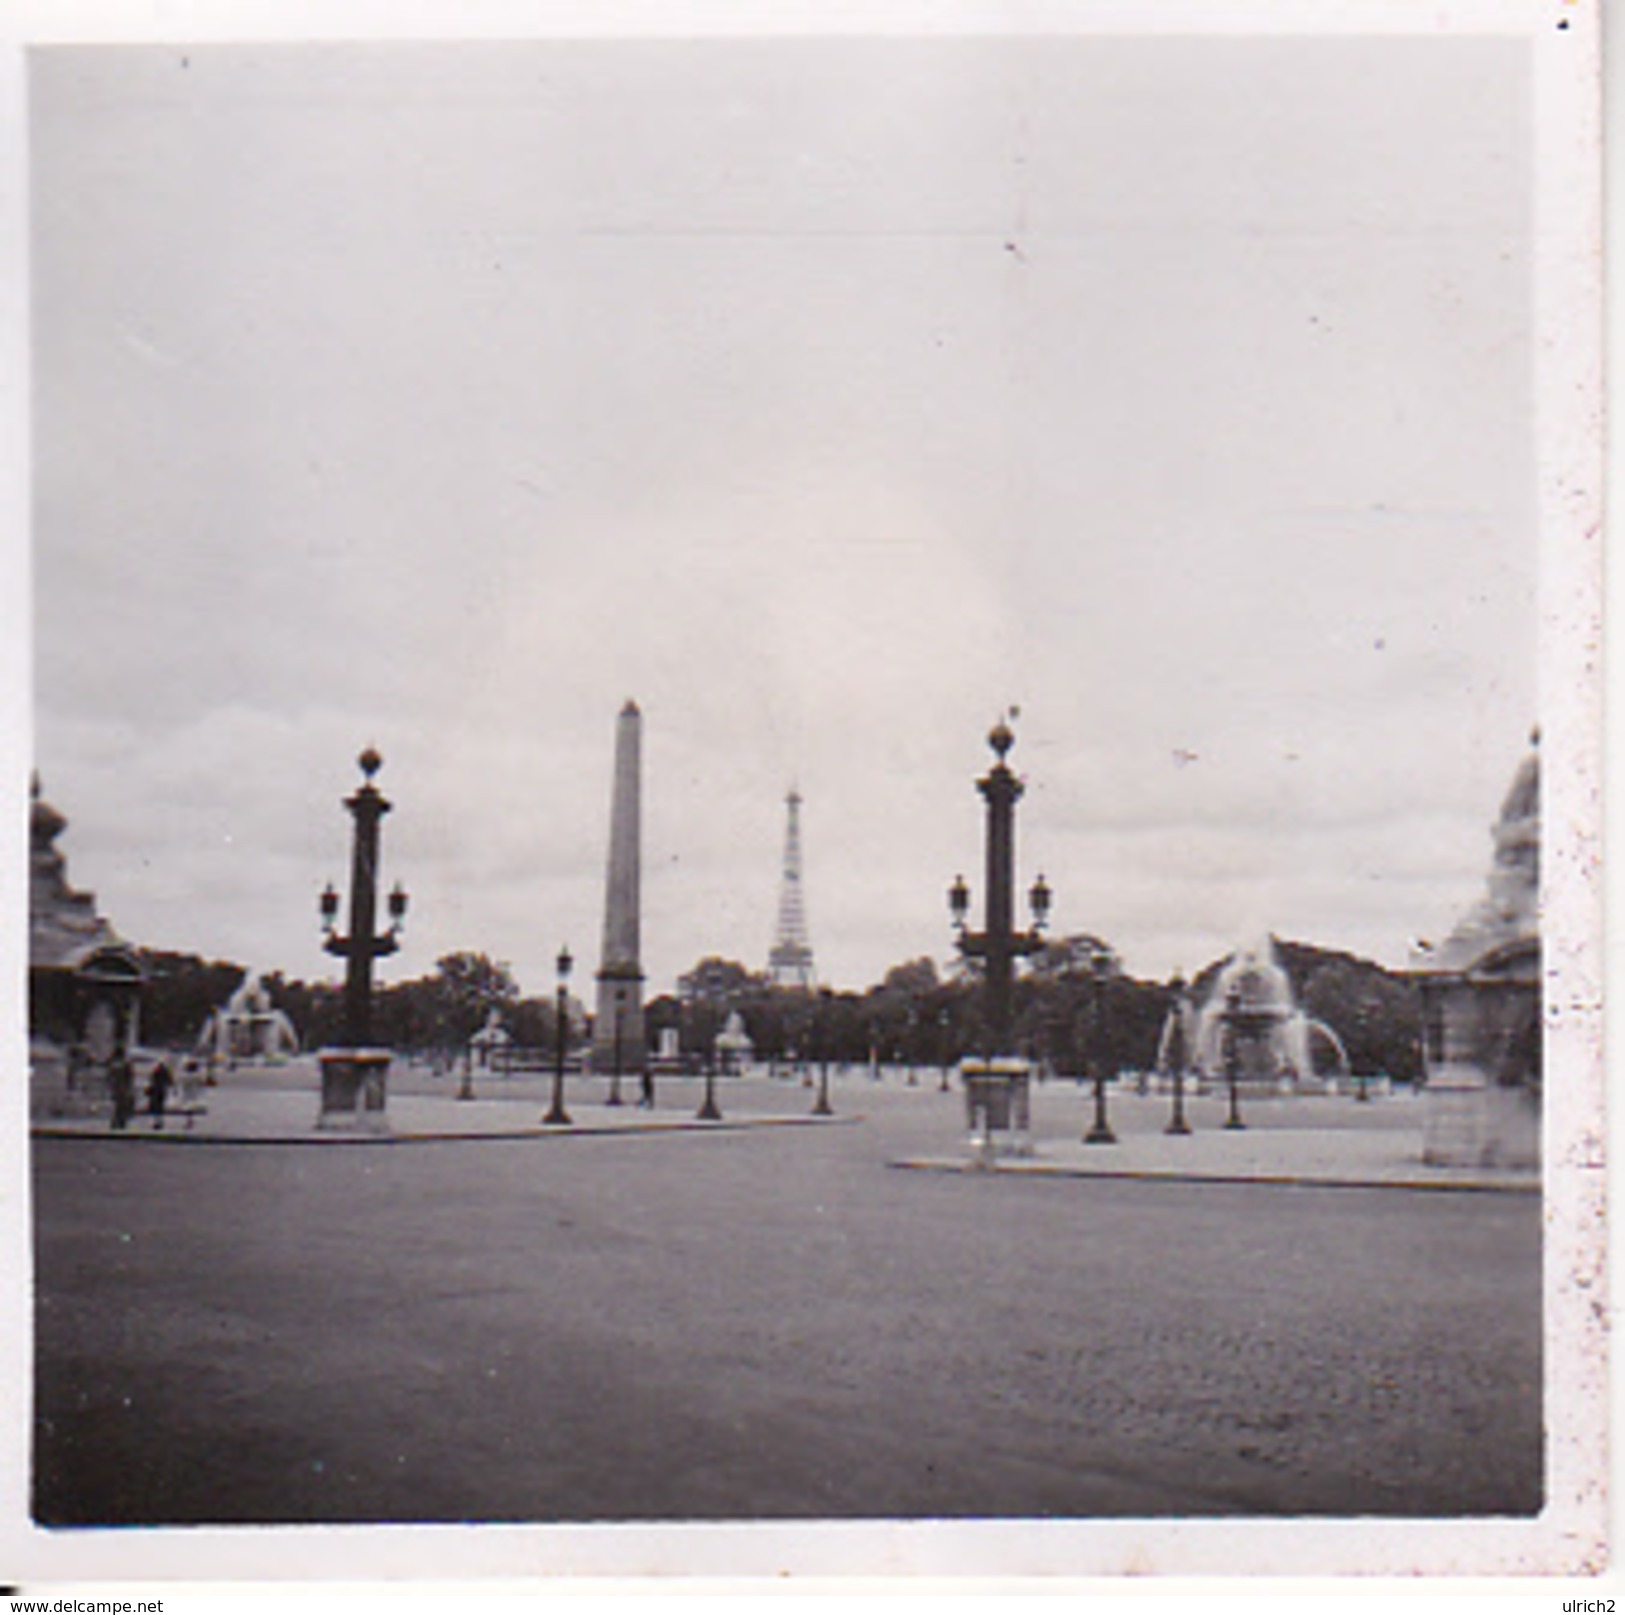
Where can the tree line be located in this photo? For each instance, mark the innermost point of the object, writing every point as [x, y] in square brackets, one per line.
[1075, 1011]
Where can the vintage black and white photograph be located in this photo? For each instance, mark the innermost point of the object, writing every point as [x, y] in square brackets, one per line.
[813, 776]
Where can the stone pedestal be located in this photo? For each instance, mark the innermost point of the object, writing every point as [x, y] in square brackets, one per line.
[998, 1107]
[1481, 1005]
[1481, 1106]
[1468, 1120]
[354, 1089]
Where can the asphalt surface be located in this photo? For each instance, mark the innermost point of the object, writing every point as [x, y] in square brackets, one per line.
[768, 1323]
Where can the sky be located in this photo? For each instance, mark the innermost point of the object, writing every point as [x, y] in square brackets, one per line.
[827, 397]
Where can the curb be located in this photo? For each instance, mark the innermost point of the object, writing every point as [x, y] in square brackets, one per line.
[1283, 1180]
[509, 1135]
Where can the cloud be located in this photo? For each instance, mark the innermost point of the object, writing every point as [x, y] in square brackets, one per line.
[442, 400]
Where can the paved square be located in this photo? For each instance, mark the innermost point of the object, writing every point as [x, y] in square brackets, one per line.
[768, 1322]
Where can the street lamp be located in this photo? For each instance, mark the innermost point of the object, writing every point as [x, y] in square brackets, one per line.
[1175, 1052]
[1232, 1053]
[708, 1111]
[557, 1116]
[346, 1071]
[1100, 1132]
[821, 1106]
[1038, 900]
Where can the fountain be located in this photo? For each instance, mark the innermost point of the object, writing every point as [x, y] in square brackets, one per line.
[247, 1027]
[733, 1044]
[1251, 1013]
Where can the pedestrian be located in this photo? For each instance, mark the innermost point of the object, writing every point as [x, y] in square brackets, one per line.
[159, 1082]
[646, 1099]
[121, 1084]
[191, 1090]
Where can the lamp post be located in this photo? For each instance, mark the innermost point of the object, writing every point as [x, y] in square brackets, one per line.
[1100, 1132]
[998, 1087]
[708, 1111]
[1232, 1054]
[357, 1066]
[998, 943]
[821, 1106]
[557, 1116]
[1176, 1052]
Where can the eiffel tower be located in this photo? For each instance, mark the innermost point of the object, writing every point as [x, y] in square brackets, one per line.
[790, 962]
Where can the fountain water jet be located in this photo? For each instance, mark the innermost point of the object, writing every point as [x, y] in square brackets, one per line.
[1251, 1005]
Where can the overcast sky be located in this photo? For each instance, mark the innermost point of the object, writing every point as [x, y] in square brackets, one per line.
[825, 397]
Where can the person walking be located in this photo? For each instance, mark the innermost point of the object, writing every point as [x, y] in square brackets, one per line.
[158, 1085]
[191, 1088]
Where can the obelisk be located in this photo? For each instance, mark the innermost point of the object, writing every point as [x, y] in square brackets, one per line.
[618, 1030]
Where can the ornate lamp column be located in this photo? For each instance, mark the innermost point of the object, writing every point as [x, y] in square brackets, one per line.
[996, 1087]
[557, 1116]
[358, 1070]
[998, 942]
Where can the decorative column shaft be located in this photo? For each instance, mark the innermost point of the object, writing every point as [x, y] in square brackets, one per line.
[1001, 790]
[367, 807]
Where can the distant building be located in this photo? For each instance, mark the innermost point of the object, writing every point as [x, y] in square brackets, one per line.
[1078, 955]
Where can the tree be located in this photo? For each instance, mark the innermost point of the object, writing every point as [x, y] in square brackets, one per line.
[180, 993]
[896, 1011]
[466, 987]
[317, 1011]
[717, 981]
[1377, 1016]
[915, 981]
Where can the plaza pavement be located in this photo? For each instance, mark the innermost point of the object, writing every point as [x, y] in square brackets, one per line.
[1311, 1140]
[769, 1321]
[279, 1104]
